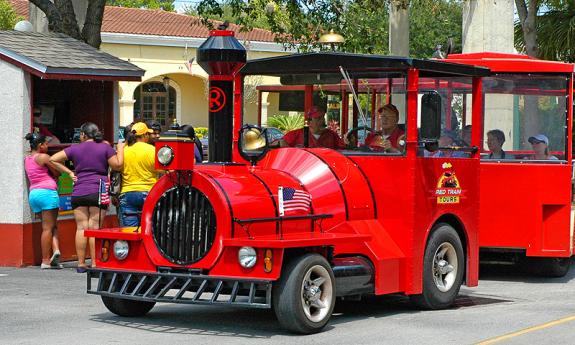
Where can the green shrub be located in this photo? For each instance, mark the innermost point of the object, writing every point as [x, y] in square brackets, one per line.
[201, 132]
[286, 123]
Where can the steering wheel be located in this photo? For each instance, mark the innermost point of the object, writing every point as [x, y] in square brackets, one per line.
[356, 130]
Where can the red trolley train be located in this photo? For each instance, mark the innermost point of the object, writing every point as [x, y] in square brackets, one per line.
[294, 228]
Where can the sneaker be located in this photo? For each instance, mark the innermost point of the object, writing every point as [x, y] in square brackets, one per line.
[55, 259]
[47, 266]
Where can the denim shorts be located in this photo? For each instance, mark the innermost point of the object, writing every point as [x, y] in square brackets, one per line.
[131, 205]
[43, 200]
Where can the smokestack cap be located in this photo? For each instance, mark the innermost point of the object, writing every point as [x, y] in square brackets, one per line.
[221, 53]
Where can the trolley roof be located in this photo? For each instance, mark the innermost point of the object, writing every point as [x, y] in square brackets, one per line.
[512, 63]
[357, 65]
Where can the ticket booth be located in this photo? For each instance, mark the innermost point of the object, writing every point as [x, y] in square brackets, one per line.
[70, 83]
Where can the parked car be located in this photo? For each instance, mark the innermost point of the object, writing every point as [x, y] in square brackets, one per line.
[204, 141]
[274, 134]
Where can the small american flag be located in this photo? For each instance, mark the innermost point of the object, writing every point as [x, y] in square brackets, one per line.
[293, 201]
[104, 192]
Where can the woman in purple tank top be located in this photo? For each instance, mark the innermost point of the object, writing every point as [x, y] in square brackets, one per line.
[91, 158]
[43, 197]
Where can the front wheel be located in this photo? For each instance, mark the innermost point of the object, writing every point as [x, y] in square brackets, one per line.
[304, 296]
[127, 307]
[443, 266]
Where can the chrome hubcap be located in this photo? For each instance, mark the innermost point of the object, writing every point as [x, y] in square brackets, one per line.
[316, 293]
[445, 265]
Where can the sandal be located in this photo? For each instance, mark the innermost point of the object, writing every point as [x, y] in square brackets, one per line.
[81, 269]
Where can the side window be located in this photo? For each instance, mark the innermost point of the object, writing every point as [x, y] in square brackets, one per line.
[383, 131]
[444, 118]
[525, 118]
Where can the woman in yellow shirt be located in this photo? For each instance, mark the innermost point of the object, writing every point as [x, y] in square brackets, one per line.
[138, 174]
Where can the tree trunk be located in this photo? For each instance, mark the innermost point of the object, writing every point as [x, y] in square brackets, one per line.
[69, 22]
[63, 19]
[54, 18]
[527, 13]
[399, 27]
[93, 24]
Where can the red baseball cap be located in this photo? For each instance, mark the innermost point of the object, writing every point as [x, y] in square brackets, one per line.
[314, 113]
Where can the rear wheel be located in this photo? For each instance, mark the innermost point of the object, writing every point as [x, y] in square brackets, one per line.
[546, 267]
[127, 307]
[443, 266]
[304, 296]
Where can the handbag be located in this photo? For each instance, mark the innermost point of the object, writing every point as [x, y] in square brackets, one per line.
[115, 183]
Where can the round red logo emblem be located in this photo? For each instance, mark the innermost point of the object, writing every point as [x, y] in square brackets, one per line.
[217, 99]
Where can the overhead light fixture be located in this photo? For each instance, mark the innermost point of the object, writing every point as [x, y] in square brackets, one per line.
[332, 39]
[166, 82]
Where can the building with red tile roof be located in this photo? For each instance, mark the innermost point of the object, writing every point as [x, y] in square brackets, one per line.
[164, 45]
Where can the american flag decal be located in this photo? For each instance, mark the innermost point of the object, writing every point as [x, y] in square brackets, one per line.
[104, 192]
[293, 201]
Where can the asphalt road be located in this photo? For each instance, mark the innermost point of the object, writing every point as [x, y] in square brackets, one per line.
[51, 307]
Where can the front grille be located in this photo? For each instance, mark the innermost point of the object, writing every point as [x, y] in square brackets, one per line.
[183, 225]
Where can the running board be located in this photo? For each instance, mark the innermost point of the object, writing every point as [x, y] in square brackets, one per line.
[180, 288]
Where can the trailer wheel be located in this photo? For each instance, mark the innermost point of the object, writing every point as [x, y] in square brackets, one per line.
[546, 267]
[127, 307]
[443, 266]
[304, 296]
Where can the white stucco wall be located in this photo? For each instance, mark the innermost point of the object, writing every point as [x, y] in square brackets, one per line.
[15, 86]
[488, 26]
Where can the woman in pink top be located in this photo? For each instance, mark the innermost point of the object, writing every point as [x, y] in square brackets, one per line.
[43, 197]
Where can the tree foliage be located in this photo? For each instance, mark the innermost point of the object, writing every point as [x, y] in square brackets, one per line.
[166, 5]
[286, 123]
[434, 22]
[555, 32]
[364, 23]
[8, 17]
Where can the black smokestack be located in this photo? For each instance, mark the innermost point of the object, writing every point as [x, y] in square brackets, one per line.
[221, 56]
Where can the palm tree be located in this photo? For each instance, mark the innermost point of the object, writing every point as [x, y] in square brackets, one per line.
[556, 33]
[554, 36]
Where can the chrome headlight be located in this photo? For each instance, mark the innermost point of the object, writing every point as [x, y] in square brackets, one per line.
[165, 155]
[121, 249]
[247, 257]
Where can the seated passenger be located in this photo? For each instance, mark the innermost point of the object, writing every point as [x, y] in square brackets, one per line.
[392, 137]
[495, 140]
[540, 144]
[447, 139]
[319, 134]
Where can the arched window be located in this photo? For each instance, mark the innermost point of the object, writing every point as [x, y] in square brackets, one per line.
[153, 102]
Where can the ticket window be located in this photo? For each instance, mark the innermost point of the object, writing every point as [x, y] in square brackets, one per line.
[64, 105]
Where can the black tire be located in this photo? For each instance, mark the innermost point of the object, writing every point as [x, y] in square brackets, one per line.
[443, 267]
[295, 305]
[127, 307]
[546, 267]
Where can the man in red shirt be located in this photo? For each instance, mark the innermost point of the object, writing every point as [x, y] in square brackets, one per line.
[390, 138]
[319, 135]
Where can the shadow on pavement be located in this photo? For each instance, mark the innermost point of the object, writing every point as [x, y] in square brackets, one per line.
[262, 324]
[515, 273]
[200, 320]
